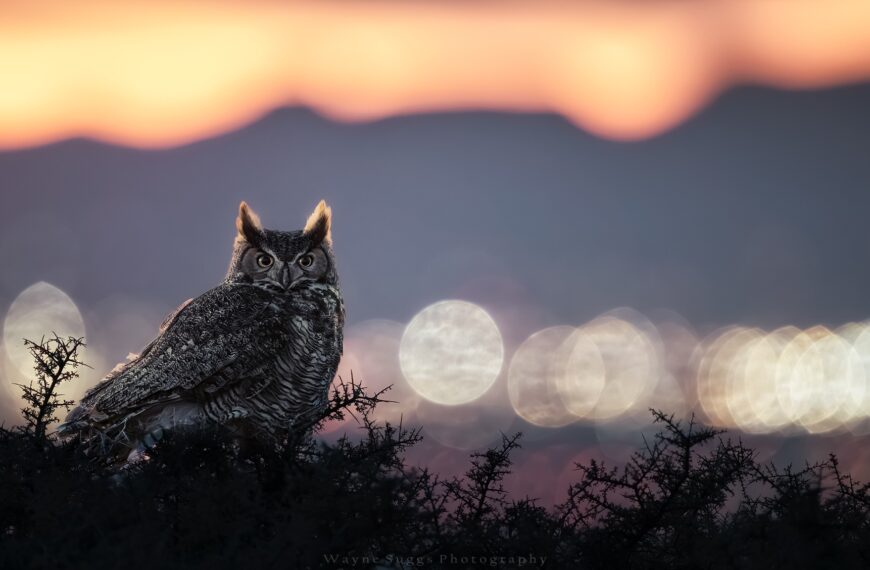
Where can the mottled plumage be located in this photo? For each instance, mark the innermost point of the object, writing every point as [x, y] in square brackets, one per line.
[256, 353]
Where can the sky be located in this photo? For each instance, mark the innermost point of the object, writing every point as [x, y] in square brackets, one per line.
[746, 207]
[753, 212]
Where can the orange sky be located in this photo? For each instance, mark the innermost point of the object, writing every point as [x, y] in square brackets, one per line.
[163, 73]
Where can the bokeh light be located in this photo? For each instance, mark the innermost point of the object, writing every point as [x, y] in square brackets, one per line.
[534, 377]
[36, 313]
[790, 380]
[632, 365]
[858, 335]
[583, 374]
[451, 352]
[716, 355]
[764, 384]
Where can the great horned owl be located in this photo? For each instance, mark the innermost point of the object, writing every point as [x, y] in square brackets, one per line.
[256, 353]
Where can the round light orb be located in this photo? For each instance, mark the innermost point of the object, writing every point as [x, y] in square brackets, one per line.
[821, 381]
[533, 378]
[582, 378]
[38, 311]
[846, 375]
[759, 382]
[718, 353]
[792, 384]
[857, 408]
[631, 364]
[736, 389]
[813, 377]
[451, 352]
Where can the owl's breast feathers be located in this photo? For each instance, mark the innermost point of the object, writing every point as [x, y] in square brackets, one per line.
[229, 343]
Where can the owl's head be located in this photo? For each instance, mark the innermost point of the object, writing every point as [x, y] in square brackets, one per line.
[283, 261]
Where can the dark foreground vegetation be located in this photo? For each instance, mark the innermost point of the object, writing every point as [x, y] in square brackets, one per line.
[691, 498]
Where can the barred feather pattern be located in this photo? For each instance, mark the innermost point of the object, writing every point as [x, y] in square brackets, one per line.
[260, 369]
[295, 384]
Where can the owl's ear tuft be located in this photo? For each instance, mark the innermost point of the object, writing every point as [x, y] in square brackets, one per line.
[248, 224]
[319, 225]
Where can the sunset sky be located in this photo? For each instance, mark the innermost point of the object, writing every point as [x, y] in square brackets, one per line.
[703, 163]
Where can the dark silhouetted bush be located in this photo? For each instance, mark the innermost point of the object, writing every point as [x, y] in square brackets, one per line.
[688, 499]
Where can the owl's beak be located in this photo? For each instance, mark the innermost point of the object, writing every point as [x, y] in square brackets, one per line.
[286, 277]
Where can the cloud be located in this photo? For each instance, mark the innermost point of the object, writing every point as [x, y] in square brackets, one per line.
[160, 73]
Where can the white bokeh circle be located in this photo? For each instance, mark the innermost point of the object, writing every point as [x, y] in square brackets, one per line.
[451, 352]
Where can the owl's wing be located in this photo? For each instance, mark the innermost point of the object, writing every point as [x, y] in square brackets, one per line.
[222, 336]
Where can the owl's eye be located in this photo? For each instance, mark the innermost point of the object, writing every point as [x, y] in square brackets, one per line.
[264, 260]
[306, 260]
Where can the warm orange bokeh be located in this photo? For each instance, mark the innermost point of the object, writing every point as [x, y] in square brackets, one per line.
[161, 73]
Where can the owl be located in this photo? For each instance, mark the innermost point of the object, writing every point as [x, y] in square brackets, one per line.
[256, 354]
